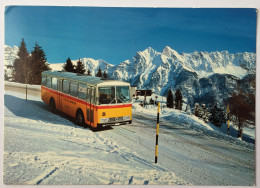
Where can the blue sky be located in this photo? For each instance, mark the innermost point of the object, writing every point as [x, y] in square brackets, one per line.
[116, 34]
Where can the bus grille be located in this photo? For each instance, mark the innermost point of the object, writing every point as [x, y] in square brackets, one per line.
[116, 119]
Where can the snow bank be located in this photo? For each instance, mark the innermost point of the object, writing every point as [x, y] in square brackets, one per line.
[189, 120]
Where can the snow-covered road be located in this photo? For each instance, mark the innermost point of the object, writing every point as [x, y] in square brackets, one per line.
[45, 148]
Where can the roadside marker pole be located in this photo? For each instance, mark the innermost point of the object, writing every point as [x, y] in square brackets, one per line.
[228, 118]
[157, 133]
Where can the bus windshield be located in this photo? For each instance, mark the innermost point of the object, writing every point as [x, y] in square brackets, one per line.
[113, 94]
[122, 94]
[106, 95]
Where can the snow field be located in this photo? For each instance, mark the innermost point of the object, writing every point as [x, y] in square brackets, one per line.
[45, 148]
[189, 120]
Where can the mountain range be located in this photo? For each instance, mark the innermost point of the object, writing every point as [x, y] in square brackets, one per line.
[204, 77]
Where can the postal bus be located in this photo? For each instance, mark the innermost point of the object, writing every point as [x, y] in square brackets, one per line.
[92, 101]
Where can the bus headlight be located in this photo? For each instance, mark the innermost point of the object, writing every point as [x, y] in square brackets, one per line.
[126, 118]
[104, 120]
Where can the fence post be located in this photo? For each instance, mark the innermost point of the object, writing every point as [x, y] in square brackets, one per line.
[157, 134]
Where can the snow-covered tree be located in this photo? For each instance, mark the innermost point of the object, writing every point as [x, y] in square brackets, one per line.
[198, 111]
[217, 115]
[205, 113]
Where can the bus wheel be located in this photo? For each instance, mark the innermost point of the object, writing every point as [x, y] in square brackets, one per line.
[80, 118]
[52, 106]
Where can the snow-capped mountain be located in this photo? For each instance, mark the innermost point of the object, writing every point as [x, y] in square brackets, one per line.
[201, 76]
[189, 72]
[10, 54]
[89, 63]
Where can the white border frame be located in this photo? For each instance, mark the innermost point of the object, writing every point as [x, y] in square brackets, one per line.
[127, 3]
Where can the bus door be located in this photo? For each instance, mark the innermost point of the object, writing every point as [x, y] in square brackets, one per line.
[59, 105]
[90, 111]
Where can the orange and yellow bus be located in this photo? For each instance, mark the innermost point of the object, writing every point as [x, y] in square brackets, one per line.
[92, 101]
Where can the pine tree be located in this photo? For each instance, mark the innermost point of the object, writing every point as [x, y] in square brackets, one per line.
[21, 65]
[205, 113]
[169, 100]
[198, 111]
[105, 74]
[217, 115]
[99, 73]
[38, 64]
[80, 68]
[68, 66]
[178, 99]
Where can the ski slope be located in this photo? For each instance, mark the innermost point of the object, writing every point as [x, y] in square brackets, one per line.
[45, 148]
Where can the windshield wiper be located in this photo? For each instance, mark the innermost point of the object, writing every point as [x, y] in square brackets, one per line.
[112, 100]
[120, 100]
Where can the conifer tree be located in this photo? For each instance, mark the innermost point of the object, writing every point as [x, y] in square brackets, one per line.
[21, 65]
[99, 73]
[178, 99]
[198, 111]
[205, 113]
[105, 75]
[80, 68]
[38, 64]
[169, 102]
[217, 115]
[68, 66]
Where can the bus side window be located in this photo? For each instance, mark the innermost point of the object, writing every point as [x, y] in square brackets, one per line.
[88, 95]
[74, 88]
[48, 82]
[66, 86]
[93, 96]
[82, 91]
[54, 82]
[44, 80]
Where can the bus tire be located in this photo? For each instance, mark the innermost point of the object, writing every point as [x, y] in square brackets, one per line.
[80, 118]
[52, 106]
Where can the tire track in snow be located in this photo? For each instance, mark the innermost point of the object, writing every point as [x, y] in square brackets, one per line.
[39, 179]
[166, 129]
